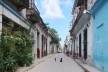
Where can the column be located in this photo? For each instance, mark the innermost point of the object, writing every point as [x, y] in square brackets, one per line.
[40, 44]
[0, 19]
[35, 44]
[46, 46]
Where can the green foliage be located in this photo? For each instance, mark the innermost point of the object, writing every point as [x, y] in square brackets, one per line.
[7, 61]
[24, 49]
[1, 57]
[10, 64]
[15, 50]
[55, 36]
[7, 49]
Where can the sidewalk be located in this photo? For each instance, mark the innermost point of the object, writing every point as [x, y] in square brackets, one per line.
[86, 67]
[36, 62]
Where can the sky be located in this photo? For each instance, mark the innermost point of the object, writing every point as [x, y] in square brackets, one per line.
[58, 14]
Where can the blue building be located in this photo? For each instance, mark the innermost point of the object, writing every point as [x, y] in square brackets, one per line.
[100, 34]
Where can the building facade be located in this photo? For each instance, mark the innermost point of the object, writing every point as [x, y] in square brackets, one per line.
[100, 27]
[79, 31]
[49, 43]
[25, 15]
[68, 45]
[89, 26]
[42, 35]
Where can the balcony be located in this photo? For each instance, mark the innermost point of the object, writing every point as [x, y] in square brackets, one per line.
[80, 19]
[33, 13]
[81, 9]
[18, 4]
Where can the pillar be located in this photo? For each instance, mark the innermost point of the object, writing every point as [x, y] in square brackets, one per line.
[0, 20]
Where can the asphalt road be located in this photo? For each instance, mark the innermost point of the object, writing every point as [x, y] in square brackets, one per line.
[50, 65]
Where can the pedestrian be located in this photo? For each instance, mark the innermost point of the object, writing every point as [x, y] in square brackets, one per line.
[55, 59]
[60, 59]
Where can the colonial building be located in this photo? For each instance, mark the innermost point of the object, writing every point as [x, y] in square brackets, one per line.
[81, 31]
[42, 34]
[24, 15]
[89, 32]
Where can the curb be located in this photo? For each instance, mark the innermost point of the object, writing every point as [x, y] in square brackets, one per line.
[85, 70]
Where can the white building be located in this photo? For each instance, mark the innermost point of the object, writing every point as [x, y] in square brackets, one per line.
[24, 14]
[81, 31]
[50, 47]
[68, 44]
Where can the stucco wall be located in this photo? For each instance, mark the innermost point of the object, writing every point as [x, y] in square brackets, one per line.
[42, 32]
[34, 49]
[100, 41]
[49, 45]
[55, 48]
[90, 37]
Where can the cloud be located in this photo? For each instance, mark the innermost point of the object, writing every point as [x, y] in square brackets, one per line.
[36, 2]
[52, 9]
[66, 2]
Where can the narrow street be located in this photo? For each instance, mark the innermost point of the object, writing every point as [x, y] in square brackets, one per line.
[50, 65]
[39, 35]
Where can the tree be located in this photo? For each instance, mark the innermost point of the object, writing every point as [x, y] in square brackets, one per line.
[55, 37]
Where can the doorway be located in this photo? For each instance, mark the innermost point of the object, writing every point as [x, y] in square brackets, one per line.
[85, 43]
[42, 42]
[38, 50]
[80, 54]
